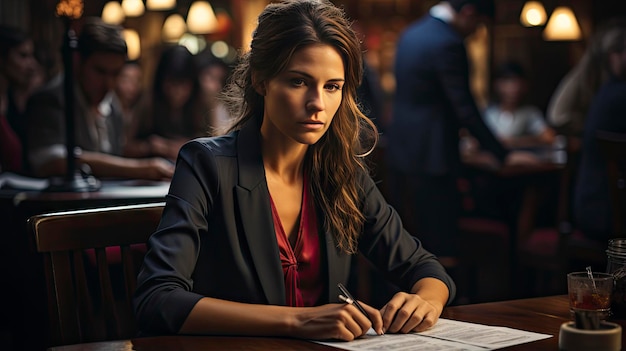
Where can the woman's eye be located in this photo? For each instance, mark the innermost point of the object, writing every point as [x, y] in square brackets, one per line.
[297, 82]
[333, 87]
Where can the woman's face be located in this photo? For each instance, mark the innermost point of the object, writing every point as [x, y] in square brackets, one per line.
[302, 100]
[20, 65]
[128, 85]
[212, 80]
[177, 91]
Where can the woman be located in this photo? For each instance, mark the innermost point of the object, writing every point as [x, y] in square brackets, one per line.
[175, 113]
[18, 79]
[569, 104]
[213, 74]
[260, 224]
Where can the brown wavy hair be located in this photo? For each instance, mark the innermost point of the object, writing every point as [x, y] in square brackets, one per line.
[336, 162]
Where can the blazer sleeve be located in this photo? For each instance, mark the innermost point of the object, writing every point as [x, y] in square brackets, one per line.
[164, 297]
[453, 69]
[389, 247]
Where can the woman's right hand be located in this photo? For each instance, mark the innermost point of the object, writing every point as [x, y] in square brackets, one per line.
[335, 321]
[155, 168]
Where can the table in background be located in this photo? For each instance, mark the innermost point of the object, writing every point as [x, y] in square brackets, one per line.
[24, 295]
[542, 315]
[517, 192]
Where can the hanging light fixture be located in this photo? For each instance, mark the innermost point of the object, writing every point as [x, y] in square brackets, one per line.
[133, 43]
[133, 8]
[533, 14]
[112, 13]
[160, 5]
[201, 18]
[173, 28]
[562, 25]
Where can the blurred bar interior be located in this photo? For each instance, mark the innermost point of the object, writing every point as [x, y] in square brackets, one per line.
[547, 37]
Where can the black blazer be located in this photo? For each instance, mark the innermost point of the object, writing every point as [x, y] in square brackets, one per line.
[216, 238]
[433, 100]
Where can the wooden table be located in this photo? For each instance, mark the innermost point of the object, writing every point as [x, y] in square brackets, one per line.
[542, 315]
[527, 186]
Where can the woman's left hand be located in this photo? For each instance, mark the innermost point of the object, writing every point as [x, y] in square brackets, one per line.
[406, 313]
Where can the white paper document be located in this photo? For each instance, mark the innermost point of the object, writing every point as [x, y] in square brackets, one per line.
[447, 334]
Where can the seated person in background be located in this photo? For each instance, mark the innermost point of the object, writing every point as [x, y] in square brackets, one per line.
[174, 112]
[514, 123]
[129, 91]
[18, 79]
[213, 73]
[260, 225]
[592, 211]
[98, 120]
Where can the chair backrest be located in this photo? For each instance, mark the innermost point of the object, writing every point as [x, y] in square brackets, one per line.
[613, 146]
[91, 258]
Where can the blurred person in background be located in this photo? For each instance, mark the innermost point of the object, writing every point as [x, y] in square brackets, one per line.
[129, 91]
[607, 112]
[213, 73]
[515, 123]
[174, 112]
[432, 102]
[18, 79]
[569, 104]
[98, 119]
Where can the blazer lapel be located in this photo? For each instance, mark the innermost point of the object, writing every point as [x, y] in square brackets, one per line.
[338, 266]
[256, 216]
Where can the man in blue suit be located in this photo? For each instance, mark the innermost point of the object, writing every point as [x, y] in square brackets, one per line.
[432, 102]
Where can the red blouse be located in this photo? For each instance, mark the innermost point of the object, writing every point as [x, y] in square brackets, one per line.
[301, 263]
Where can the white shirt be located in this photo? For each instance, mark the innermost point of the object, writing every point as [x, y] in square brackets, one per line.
[526, 120]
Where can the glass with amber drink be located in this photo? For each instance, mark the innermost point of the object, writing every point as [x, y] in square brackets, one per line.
[590, 293]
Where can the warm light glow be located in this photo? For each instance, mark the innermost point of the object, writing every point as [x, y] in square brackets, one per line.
[220, 49]
[193, 43]
[133, 43]
[70, 8]
[173, 28]
[562, 25]
[160, 5]
[133, 8]
[533, 14]
[112, 13]
[201, 18]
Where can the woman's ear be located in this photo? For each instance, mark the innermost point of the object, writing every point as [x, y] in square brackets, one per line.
[259, 86]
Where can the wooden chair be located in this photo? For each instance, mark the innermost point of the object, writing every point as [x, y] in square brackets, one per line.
[90, 260]
[613, 146]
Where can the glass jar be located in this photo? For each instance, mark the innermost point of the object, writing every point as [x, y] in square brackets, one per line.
[616, 265]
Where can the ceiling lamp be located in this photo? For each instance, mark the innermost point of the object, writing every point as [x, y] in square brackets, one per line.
[173, 28]
[562, 25]
[133, 8]
[112, 13]
[201, 19]
[132, 43]
[160, 5]
[533, 14]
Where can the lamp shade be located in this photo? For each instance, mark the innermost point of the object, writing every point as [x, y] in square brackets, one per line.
[562, 25]
[173, 28]
[201, 18]
[160, 5]
[133, 8]
[133, 43]
[533, 14]
[112, 13]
